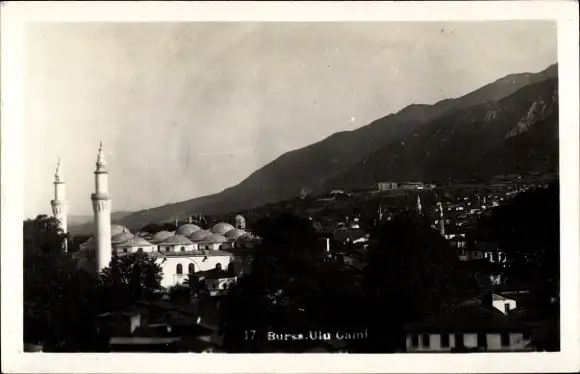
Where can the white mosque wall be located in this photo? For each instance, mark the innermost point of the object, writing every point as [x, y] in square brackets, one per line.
[176, 248]
[213, 246]
[201, 263]
[120, 250]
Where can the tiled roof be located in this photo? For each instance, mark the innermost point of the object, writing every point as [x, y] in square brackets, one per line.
[466, 319]
[202, 253]
[143, 340]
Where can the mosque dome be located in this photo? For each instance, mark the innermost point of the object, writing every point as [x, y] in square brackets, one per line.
[121, 237]
[117, 229]
[215, 238]
[187, 229]
[354, 225]
[161, 235]
[136, 242]
[239, 216]
[222, 228]
[234, 234]
[199, 235]
[176, 240]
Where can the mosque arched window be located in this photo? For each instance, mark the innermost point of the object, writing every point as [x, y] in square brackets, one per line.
[218, 266]
[182, 249]
[191, 268]
[179, 269]
[140, 250]
[167, 249]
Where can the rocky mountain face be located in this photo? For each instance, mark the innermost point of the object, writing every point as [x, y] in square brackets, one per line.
[448, 139]
[517, 133]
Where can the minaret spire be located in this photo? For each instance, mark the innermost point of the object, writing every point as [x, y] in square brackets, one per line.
[101, 163]
[102, 211]
[58, 174]
[59, 204]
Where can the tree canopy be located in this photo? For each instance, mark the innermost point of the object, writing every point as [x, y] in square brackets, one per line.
[62, 302]
[528, 231]
[411, 270]
[129, 278]
[58, 298]
[154, 228]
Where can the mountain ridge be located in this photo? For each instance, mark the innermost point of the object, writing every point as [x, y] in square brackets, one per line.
[491, 122]
[315, 166]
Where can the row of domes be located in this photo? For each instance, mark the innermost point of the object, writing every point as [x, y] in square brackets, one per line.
[184, 235]
[189, 228]
[185, 230]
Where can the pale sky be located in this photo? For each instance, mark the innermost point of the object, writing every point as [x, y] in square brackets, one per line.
[189, 109]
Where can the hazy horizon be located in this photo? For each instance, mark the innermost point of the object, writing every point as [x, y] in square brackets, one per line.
[188, 109]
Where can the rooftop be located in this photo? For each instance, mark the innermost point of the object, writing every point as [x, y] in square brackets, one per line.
[467, 318]
[143, 340]
[194, 253]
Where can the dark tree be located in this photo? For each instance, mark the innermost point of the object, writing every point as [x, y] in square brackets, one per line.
[74, 244]
[528, 230]
[169, 226]
[42, 235]
[129, 278]
[152, 228]
[411, 271]
[281, 291]
[59, 307]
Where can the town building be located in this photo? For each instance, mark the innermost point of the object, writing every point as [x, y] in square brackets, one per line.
[468, 328]
[386, 186]
[157, 326]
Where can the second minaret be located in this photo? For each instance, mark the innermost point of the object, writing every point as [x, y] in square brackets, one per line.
[59, 204]
[102, 211]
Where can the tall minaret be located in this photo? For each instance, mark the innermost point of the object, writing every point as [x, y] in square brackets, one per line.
[59, 204]
[102, 209]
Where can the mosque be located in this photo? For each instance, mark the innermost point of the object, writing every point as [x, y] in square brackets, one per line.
[189, 249]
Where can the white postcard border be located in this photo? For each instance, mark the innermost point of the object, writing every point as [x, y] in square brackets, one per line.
[16, 15]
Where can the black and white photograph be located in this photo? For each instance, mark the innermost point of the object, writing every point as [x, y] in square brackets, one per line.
[395, 188]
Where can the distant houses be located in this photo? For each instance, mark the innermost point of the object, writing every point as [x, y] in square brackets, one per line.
[386, 186]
